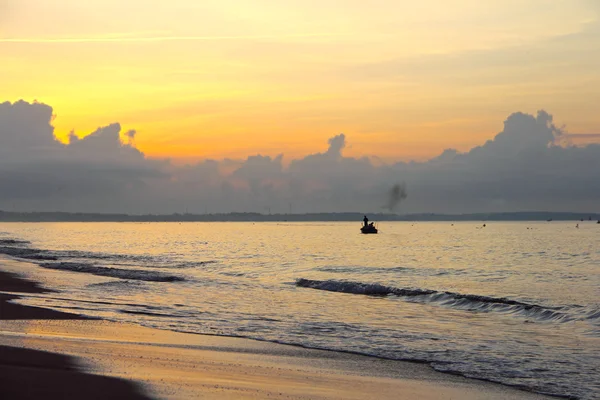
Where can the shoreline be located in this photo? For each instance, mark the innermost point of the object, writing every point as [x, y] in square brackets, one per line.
[27, 373]
[133, 360]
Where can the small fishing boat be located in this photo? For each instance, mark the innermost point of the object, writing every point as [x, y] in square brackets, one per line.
[368, 229]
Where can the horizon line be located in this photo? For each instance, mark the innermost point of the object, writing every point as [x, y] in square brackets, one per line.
[389, 213]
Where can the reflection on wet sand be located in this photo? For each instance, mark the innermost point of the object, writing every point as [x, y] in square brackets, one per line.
[35, 374]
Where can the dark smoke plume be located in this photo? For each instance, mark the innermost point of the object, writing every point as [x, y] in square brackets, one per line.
[397, 194]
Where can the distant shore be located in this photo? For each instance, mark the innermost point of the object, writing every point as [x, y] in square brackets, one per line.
[47, 354]
[306, 217]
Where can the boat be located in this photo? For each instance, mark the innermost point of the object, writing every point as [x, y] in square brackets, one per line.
[366, 229]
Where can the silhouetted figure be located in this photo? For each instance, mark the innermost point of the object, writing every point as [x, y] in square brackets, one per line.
[368, 227]
[577, 226]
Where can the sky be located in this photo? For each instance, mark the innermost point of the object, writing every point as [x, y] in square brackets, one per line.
[325, 101]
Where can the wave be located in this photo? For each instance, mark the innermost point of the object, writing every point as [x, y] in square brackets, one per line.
[166, 265]
[365, 270]
[189, 264]
[119, 283]
[467, 302]
[372, 289]
[593, 316]
[147, 313]
[101, 256]
[29, 254]
[118, 259]
[4, 242]
[133, 274]
[129, 259]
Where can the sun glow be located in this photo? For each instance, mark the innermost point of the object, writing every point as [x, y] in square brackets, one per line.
[231, 78]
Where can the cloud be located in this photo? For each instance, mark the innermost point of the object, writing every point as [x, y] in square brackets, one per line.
[570, 139]
[38, 172]
[529, 165]
[336, 145]
[522, 168]
[25, 131]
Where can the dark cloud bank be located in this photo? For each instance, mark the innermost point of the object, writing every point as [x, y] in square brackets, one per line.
[529, 165]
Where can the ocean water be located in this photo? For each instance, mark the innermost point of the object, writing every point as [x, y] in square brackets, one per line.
[515, 303]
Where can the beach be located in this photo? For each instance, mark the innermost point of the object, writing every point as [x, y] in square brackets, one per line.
[49, 354]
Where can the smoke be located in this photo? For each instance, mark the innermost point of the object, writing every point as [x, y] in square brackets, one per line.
[396, 195]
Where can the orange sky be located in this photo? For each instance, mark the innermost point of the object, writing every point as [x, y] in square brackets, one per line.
[230, 78]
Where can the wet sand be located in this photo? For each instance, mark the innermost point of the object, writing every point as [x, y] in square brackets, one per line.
[10, 282]
[37, 374]
[46, 354]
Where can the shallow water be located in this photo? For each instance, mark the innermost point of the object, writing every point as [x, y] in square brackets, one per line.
[517, 303]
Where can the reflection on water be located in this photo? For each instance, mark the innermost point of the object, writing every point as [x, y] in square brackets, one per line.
[511, 302]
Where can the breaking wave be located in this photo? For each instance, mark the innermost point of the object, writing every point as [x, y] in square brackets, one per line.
[133, 274]
[467, 302]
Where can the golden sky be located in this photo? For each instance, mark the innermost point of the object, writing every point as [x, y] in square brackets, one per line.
[230, 78]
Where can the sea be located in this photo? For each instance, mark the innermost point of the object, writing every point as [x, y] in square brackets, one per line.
[511, 302]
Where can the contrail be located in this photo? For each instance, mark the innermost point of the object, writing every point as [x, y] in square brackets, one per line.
[126, 39]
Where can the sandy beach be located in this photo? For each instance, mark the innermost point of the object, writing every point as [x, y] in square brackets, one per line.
[50, 354]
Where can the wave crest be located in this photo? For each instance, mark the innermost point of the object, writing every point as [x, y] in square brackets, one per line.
[467, 302]
[133, 274]
[25, 253]
[4, 242]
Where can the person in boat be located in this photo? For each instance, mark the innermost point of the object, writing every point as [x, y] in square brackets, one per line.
[366, 220]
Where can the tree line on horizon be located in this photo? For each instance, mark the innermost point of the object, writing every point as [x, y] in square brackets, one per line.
[9, 216]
